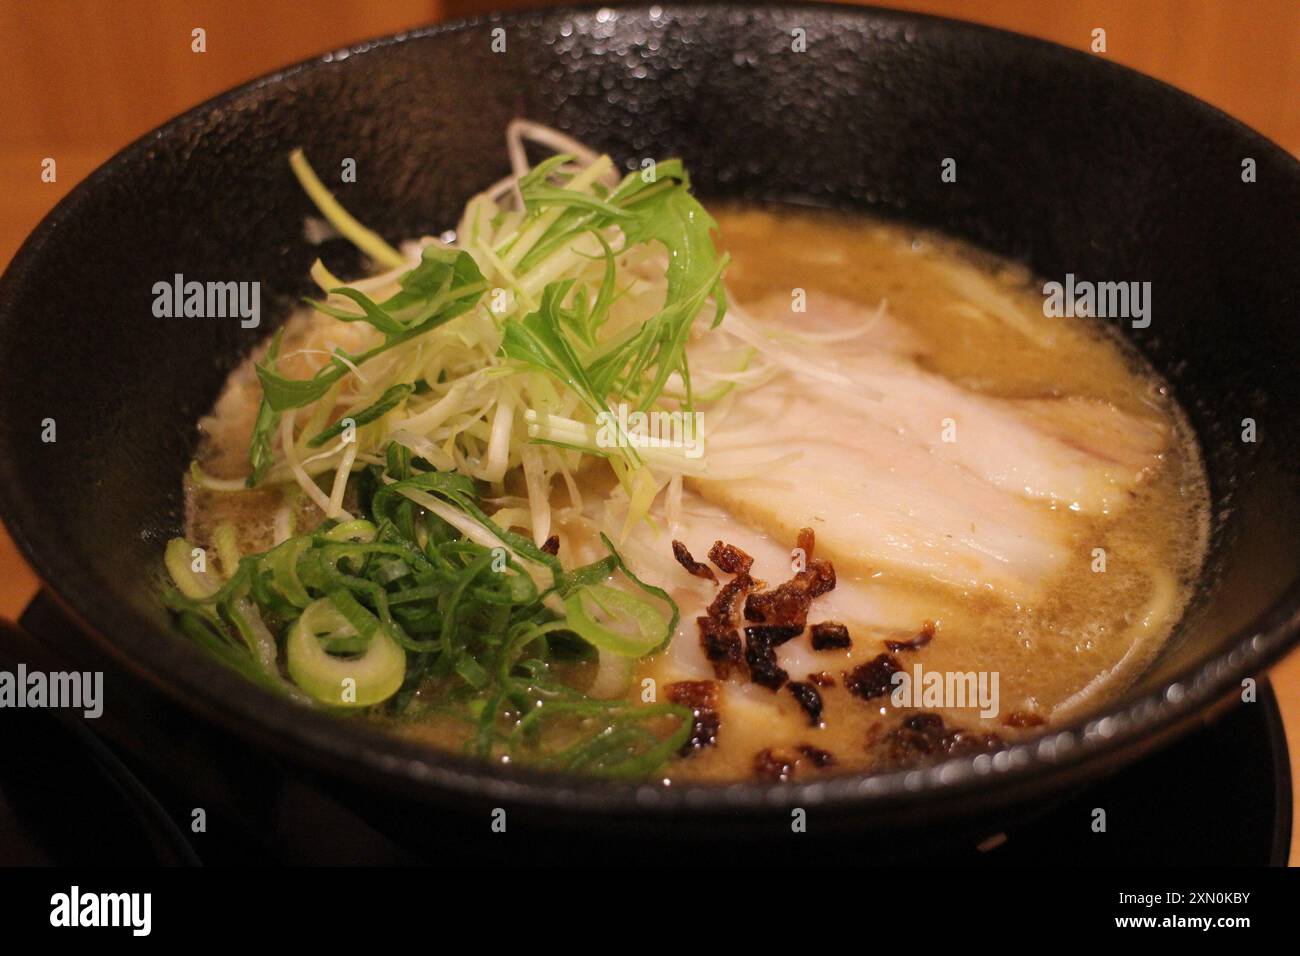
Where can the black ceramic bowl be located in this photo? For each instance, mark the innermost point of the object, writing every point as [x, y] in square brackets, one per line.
[1066, 162]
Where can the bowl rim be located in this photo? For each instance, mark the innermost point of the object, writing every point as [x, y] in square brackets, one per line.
[369, 755]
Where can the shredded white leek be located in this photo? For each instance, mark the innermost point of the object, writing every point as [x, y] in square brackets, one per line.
[474, 410]
[366, 240]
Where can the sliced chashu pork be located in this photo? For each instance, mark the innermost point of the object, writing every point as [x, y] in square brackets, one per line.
[909, 472]
[873, 609]
[1079, 453]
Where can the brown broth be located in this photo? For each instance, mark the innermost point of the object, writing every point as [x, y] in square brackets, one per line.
[1089, 624]
[1046, 653]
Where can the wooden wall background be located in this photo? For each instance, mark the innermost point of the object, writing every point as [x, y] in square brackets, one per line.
[79, 79]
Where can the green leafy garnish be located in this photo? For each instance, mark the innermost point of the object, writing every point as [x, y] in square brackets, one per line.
[449, 286]
[371, 413]
[260, 454]
[577, 292]
[660, 211]
[371, 611]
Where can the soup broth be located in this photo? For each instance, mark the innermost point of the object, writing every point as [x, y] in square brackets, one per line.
[1012, 506]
